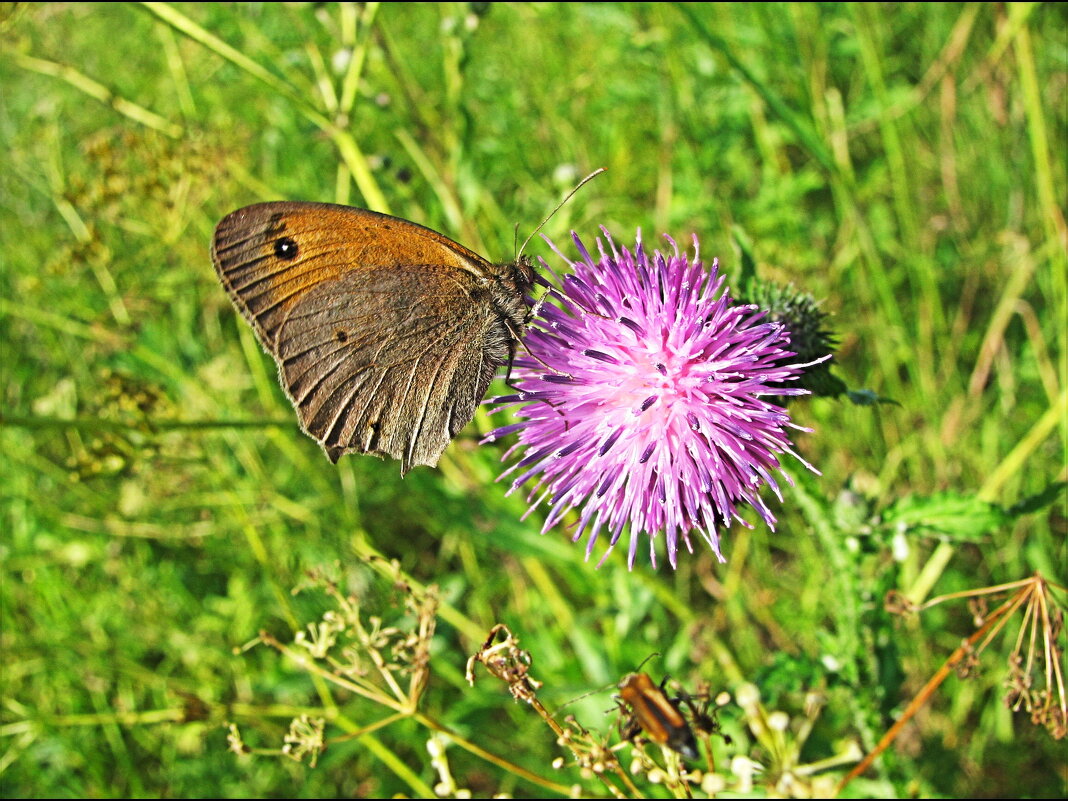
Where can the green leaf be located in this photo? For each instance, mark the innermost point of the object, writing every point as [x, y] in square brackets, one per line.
[946, 514]
[867, 397]
[1038, 501]
[747, 275]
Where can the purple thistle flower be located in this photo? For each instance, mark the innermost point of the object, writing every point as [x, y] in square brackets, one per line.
[641, 401]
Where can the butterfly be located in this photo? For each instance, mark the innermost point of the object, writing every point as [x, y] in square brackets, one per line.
[386, 334]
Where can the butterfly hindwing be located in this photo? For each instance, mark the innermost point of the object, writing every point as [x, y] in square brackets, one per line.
[372, 370]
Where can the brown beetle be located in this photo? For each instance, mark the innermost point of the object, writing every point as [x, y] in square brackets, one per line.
[653, 712]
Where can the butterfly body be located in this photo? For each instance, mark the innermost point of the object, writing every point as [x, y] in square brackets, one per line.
[386, 334]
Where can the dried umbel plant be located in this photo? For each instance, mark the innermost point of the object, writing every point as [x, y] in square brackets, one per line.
[1035, 680]
[385, 661]
[501, 655]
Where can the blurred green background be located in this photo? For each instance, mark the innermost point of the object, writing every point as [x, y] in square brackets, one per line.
[904, 163]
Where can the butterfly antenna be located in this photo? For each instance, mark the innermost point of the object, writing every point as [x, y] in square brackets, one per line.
[559, 206]
[537, 305]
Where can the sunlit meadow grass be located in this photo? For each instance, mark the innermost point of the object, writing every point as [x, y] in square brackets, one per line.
[168, 532]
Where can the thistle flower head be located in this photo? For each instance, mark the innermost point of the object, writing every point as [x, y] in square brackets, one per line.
[641, 401]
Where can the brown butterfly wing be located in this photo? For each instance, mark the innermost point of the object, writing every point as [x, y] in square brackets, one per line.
[382, 330]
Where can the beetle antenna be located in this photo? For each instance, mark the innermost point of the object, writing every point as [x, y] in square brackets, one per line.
[654, 653]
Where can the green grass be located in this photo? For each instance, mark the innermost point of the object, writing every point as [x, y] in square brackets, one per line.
[904, 163]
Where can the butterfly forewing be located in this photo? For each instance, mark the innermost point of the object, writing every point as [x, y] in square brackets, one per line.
[383, 333]
[268, 255]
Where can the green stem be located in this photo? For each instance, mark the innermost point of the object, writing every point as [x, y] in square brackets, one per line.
[98, 424]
